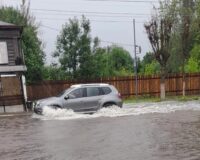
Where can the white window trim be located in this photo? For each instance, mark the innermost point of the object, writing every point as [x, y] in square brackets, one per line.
[3, 52]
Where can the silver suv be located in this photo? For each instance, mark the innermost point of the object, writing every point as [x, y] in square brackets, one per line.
[82, 98]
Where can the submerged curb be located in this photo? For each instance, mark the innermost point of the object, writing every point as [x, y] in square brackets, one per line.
[13, 114]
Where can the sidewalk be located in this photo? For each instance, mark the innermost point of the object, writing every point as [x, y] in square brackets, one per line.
[16, 110]
[11, 114]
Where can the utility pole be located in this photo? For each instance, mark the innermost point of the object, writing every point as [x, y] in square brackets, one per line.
[135, 60]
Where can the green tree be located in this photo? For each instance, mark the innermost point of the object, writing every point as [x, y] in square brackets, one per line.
[152, 68]
[174, 62]
[193, 64]
[182, 38]
[101, 63]
[159, 31]
[148, 58]
[74, 48]
[54, 73]
[149, 65]
[78, 57]
[31, 44]
[121, 62]
[86, 59]
[67, 47]
[186, 14]
[112, 61]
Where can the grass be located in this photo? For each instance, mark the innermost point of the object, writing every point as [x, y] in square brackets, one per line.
[157, 99]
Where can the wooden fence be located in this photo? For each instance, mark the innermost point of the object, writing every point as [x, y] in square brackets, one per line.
[147, 86]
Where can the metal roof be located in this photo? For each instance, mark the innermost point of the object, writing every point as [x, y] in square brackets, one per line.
[6, 24]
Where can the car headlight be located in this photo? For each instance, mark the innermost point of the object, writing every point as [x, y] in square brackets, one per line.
[36, 104]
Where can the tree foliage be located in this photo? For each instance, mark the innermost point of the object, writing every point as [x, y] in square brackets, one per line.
[31, 44]
[120, 61]
[185, 39]
[193, 64]
[159, 31]
[74, 48]
[159, 34]
[54, 73]
[79, 58]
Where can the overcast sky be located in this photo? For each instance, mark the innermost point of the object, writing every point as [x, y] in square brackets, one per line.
[111, 20]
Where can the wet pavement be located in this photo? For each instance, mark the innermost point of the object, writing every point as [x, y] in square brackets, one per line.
[146, 131]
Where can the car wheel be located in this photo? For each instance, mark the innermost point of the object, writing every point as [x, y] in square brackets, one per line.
[55, 107]
[107, 105]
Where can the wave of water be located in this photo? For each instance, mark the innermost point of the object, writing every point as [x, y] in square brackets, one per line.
[127, 110]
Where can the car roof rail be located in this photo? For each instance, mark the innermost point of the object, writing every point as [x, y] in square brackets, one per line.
[89, 84]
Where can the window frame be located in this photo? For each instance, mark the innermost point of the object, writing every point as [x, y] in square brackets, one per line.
[99, 89]
[4, 48]
[84, 93]
[110, 90]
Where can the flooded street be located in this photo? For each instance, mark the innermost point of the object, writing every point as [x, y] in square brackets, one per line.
[144, 131]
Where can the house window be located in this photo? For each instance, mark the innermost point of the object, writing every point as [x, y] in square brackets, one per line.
[3, 53]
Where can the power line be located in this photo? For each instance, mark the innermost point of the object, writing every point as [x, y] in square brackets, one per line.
[95, 14]
[90, 15]
[125, 1]
[92, 20]
[89, 12]
[55, 29]
[123, 44]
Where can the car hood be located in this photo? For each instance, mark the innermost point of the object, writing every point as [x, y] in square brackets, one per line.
[47, 101]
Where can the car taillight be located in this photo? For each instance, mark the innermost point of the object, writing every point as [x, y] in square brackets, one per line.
[119, 95]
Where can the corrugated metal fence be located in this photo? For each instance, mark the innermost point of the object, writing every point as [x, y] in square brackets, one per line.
[147, 85]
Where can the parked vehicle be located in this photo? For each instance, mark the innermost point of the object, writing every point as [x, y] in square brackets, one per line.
[82, 98]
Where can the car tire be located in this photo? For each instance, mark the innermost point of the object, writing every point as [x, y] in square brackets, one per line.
[55, 107]
[107, 105]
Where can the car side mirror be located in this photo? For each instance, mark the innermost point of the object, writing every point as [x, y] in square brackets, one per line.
[69, 96]
[66, 97]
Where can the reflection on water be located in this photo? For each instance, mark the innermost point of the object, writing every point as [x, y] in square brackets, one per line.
[167, 131]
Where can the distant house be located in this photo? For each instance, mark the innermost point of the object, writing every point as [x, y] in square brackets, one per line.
[11, 56]
[12, 66]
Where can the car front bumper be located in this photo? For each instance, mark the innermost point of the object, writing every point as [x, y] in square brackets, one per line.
[38, 110]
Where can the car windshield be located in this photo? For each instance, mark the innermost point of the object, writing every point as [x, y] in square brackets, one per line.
[63, 92]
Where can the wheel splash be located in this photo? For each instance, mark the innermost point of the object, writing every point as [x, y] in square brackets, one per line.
[114, 111]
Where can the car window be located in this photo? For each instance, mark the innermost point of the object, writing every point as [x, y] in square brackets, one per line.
[78, 93]
[63, 92]
[106, 90]
[93, 91]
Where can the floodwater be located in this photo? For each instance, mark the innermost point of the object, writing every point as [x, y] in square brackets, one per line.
[144, 131]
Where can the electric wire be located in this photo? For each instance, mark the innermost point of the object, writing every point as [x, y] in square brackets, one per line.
[110, 42]
[125, 1]
[89, 12]
[90, 15]
[92, 20]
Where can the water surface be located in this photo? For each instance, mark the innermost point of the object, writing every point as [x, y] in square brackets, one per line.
[145, 131]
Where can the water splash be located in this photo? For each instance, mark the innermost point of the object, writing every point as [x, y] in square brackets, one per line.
[114, 111]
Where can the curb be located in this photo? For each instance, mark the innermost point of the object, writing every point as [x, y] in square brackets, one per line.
[2, 115]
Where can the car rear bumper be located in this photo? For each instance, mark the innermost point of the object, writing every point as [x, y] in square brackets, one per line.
[120, 104]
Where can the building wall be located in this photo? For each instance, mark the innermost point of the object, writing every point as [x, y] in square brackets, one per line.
[12, 38]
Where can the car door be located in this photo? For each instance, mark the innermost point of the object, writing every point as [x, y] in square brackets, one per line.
[75, 100]
[94, 95]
